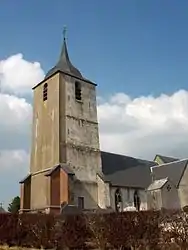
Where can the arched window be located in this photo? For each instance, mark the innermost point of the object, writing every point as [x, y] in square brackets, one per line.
[136, 200]
[45, 92]
[78, 91]
[118, 201]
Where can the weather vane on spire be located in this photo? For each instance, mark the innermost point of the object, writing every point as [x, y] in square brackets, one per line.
[64, 32]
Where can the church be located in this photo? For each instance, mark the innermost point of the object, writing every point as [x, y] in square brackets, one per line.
[67, 166]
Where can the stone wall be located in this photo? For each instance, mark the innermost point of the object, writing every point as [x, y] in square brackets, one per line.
[81, 129]
[79, 138]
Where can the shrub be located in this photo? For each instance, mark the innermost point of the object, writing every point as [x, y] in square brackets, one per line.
[139, 230]
[36, 230]
[8, 229]
[71, 232]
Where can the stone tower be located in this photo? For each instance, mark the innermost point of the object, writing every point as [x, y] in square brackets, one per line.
[65, 154]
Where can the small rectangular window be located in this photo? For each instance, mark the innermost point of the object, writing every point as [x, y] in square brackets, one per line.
[81, 202]
[78, 91]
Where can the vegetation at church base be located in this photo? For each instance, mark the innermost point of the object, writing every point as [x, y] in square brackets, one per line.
[14, 206]
[143, 230]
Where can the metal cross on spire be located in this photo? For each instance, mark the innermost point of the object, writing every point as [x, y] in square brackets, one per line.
[64, 32]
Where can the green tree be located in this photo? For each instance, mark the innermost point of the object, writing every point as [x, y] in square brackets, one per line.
[14, 206]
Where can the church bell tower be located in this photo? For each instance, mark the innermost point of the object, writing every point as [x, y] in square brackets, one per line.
[65, 152]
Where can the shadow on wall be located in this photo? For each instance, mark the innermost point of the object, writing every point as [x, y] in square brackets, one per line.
[85, 200]
[86, 195]
[170, 197]
[165, 198]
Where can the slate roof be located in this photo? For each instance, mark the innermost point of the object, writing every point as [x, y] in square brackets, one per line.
[70, 209]
[157, 184]
[173, 171]
[63, 166]
[127, 171]
[64, 65]
[167, 159]
[25, 178]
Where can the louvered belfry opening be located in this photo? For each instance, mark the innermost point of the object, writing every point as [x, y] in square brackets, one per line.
[45, 92]
[78, 91]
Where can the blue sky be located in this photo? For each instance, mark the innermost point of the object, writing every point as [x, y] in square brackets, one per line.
[138, 47]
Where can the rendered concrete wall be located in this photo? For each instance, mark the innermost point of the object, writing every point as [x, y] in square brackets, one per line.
[45, 130]
[39, 191]
[87, 190]
[170, 198]
[154, 199]
[103, 193]
[183, 189]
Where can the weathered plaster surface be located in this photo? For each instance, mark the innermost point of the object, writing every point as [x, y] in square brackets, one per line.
[65, 131]
[45, 131]
[39, 191]
[183, 189]
[103, 193]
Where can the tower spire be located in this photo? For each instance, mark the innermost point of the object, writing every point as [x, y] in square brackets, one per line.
[64, 33]
[64, 64]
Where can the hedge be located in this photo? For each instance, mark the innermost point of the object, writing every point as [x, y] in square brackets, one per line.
[139, 230]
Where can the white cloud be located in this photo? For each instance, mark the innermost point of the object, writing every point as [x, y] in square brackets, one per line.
[145, 126]
[15, 113]
[13, 167]
[15, 121]
[18, 76]
[14, 161]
